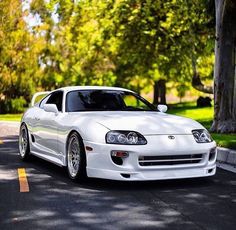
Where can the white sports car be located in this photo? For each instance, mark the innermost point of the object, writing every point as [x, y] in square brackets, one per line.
[113, 133]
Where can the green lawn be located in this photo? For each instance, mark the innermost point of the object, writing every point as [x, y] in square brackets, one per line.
[10, 117]
[204, 116]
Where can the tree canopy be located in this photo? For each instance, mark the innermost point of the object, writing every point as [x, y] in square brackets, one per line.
[131, 43]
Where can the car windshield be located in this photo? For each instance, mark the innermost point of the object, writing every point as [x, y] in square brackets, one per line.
[106, 100]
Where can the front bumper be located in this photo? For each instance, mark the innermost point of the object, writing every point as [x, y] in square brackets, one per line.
[101, 165]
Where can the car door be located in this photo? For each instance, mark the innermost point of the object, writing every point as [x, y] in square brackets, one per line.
[45, 130]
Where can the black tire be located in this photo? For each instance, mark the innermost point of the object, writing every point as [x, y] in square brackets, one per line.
[24, 145]
[75, 157]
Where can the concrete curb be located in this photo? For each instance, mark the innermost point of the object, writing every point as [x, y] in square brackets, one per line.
[226, 156]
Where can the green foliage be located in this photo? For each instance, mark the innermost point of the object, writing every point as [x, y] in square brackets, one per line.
[16, 105]
[164, 37]
[19, 50]
[181, 89]
[113, 42]
[130, 43]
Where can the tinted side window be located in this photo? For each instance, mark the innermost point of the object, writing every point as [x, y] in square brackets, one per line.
[54, 98]
[44, 101]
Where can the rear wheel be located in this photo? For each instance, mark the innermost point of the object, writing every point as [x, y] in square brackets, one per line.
[76, 161]
[24, 147]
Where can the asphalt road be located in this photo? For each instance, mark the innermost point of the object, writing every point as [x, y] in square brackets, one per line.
[53, 201]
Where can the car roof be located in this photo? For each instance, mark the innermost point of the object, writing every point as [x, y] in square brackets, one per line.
[72, 88]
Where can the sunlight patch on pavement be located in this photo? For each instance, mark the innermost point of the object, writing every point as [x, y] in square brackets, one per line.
[1, 141]
[24, 186]
[7, 174]
[9, 140]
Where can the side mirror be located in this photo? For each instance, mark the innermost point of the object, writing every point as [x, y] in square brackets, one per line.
[51, 108]
[162, 108]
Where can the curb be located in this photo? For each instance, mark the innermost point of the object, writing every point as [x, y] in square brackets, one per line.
[226, 156]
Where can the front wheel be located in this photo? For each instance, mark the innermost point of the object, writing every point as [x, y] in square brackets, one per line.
[76, 161]
[24, 146]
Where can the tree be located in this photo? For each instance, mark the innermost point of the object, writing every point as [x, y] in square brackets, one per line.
[130, 43]
[77, 51]
[225, 68]
[161, 36]
[19, 51]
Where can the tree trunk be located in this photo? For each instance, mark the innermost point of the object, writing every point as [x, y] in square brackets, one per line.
[156, 93]
[196, 80]
[225, 64]
[198, 85]
[159, 92]
[162, 85]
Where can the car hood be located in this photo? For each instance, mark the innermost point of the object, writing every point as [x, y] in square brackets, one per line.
[146, 123]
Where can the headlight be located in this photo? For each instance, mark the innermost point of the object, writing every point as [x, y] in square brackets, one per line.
[125, 138]
[201, 136]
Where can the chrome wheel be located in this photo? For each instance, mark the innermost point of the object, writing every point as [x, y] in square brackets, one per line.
[23, 142]
[76, 159]
[73, 156]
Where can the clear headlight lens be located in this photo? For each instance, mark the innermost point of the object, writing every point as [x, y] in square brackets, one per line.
[125, 138]
[202, 136]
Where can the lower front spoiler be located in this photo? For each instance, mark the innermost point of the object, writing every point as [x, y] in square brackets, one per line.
[149, 175]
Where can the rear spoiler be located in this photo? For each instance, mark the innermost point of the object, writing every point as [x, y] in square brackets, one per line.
[36, 95]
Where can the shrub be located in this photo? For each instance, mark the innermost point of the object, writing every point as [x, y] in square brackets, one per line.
[13, 105]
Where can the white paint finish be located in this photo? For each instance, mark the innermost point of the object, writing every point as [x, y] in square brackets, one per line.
[162, 174]
[100, 165]
[51, 131]
[147, 123]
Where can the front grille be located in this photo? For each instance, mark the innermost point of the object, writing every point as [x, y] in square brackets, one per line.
[170, 160]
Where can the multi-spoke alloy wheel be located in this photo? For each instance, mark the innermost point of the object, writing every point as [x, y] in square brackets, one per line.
[75, 157]
[24, 142]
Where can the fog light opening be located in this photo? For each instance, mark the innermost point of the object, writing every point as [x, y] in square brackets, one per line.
[210, 170]
[117, 160]
[125, 175]
[32, 137]
[118, 156]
